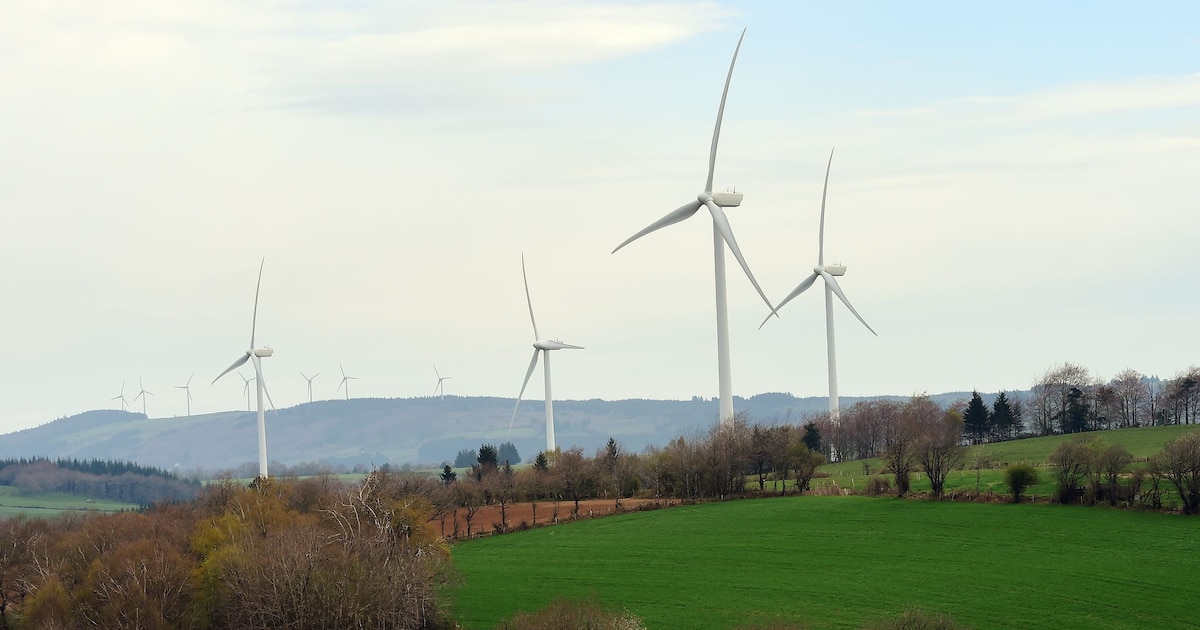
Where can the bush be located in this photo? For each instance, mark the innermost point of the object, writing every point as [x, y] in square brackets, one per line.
[1018, 477]
[877, 486]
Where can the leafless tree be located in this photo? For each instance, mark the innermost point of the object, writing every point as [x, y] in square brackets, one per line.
[1179, 463]
[938, 448]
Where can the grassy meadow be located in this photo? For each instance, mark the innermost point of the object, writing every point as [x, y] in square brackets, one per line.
[51, 504]
[837, 562]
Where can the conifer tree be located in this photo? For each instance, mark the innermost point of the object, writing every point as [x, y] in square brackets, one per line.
[1003, 420]
[976, 419]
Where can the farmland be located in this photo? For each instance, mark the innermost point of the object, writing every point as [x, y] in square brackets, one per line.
[837, 562]
[52, 504]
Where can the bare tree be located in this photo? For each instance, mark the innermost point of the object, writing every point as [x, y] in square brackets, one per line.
[1179, 463]
[938, 448]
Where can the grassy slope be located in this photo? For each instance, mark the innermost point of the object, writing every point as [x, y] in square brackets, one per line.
[835, 562]
[52, 503]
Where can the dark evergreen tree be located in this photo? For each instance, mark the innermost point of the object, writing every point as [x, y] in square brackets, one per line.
[1004, 422]
[812, 437]
[507, 453]
[1075, 418]
[976, 419]
[541, 462]
[448, 475]
[465, 458]
[487, 456]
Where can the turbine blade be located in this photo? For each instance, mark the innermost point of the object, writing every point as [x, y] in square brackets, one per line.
[254, 319]
[832, 282]
[528, 374]
[800, 288]
[262, 381]
[303, 376]
[528, 300]
[342, 369]
[712, 152]
[189, 381]
[679, 214]
[236, 364]
[824, 192]
[722, 223]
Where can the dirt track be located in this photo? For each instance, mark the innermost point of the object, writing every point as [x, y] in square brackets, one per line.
[487, 518]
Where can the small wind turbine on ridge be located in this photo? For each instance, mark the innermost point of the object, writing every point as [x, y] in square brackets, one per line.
[439, 389]
[345, 380]
[828, 274]
[142, 393]
[540, 346]
[310, 380]
[187, 388]
[121, 397]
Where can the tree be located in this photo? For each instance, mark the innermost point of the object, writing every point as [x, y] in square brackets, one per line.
[1071, 461]
[976, 419]
[1110, 463]
[938, 449]
[979, 460]
[1004, 422]
[541, 462]
[900, 438]
[508, 453]
[573, 477]
[465, 458]
[1018, 477]
[1051, 396]
[488, 457]
[812, 437]
[1179, 463]
[804, 462]
[448, 475]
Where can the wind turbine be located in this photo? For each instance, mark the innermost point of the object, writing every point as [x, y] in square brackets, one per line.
[255, 355]
[539, 346]
[121, 397]
[246, 388]
[187, 388]
[439, 388]
[722, 237]
[310, 380]
[345, 380]
[827, 273]
[142, 394]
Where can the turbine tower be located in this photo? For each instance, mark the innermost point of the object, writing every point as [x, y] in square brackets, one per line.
[121, 397]
[187, 388]
[828, 274]
[310, 380]
[539, 346]
[142, 393]
[345, 380]
[722, 237]
[255, 355]
[439, 389]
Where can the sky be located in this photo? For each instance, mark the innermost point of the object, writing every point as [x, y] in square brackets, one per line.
[1014, 187]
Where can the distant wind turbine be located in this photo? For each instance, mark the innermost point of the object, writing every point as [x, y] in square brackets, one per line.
[310, 380]
[255, 354]
[121, 397]
[187, 388]
[722, 237]
[540, 346]
[345, 380]
[439, 389]
[246, 389]
[142, 393]
[828, 274]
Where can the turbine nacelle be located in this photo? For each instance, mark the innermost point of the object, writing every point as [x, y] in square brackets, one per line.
[833, 270]
[263, 352]
[554, 344]
[727, 199]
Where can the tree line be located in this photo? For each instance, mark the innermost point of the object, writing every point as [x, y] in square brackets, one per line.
[118, 481]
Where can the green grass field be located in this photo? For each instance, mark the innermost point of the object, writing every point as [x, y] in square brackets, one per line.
[52, 504]
[837, 562]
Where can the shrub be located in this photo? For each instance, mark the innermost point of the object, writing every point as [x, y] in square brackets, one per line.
[1018, 477]
[877, 486]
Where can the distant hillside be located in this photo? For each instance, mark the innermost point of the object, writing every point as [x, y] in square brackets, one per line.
[389, 430]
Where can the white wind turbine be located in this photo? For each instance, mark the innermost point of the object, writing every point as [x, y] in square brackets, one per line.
[254, 355]
[142, 393]
[121, 397]
[246, 388]
[310, 380]
[829, 275]
[187, 388]
[439, 389]
[722, 237]
[345, 380]
[539, 346]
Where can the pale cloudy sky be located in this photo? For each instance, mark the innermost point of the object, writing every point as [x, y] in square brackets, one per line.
[1014, 186]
